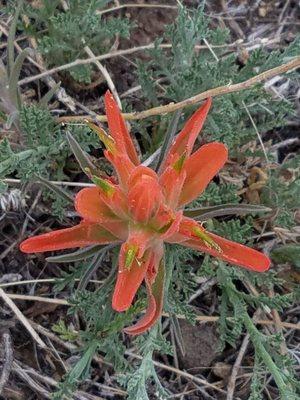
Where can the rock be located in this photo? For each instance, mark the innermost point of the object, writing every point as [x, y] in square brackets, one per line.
[200, 343]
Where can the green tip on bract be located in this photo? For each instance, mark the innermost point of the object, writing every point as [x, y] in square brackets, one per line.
[164, 228]
[206, 239]
[178, 165]
[88, 171]
[130, 255]
[108, 141]
[107, 187]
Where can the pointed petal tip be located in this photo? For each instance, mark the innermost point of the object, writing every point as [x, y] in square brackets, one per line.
[33, 245]
[256, 261]
[119, 305]
[81, 235]
[185, 140]
[221, 151]
[232, 252]
[208, 102]
[25, 246]
[155, 294]
[109, 100]
[265, 264]
[108, 94]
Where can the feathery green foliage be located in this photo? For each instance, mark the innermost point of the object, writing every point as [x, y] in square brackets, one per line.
[185, 72]
[63, 33]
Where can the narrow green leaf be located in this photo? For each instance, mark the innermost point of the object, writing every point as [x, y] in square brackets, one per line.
[177, 333]
[14, 77]
[94, 265]
[81, 368]
[82, 157]
[47, 97]
[12, 35]
[12, 118]
[204, 213]
[56, 189]
[77, 255]
[168, 138]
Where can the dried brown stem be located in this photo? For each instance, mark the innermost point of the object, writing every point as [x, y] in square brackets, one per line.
[125, 52]
[218, 91]
[21, 318]
[235, 368]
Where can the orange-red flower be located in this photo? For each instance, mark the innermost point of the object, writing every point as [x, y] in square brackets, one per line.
[145, 209]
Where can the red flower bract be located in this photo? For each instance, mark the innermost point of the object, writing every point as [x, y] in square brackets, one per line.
[144, 210]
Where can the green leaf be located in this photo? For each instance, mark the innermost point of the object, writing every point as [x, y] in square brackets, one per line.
[168, 138]
[81, 73]
[64, 332]
[82, 157]
[204, 213]
[81, 369]
[78, 255]
[59, 191]
[94, 265]
[14, 77]
[12, 34]
[47, 97]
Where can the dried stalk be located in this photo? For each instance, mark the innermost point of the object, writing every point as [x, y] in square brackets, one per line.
[21, 318]
[218, 91]
[119, 53]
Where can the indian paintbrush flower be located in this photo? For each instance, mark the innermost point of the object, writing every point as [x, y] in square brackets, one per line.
[143, 210]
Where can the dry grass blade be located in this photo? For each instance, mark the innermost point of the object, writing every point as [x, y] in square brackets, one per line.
[30, 382]
[106, 75]
[21, 318]
[133, 5]
[27, 297]
[235, 368]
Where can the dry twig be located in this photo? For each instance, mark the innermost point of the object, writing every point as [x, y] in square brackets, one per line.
[235, 368]
[133, 5]
[106, 75]
[21, 318]
[120, 53]
[218, 91]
